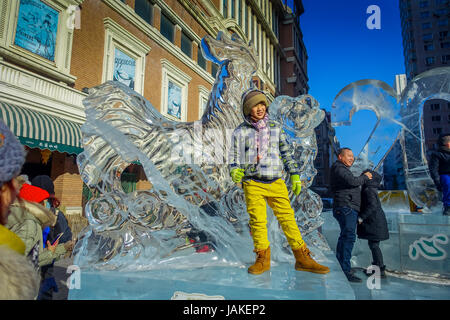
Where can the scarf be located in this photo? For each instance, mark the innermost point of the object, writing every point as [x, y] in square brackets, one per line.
[262, 136]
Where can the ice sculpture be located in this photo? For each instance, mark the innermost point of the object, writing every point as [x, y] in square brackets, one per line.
[398, 117]
[432, 84]
[194, 215]
[379, 97]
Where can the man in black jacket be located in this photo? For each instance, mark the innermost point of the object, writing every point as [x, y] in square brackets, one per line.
[439, 166]
[346, 205]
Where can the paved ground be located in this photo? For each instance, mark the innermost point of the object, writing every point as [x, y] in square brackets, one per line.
[391, 288]
[61, 275]
[394, 287]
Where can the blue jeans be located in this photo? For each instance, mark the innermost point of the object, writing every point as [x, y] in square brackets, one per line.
[347, 219]
[445, 183]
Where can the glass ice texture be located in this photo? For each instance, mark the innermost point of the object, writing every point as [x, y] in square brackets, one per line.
[398, 118]
[193, 215]
[376, 96]
[432, 84]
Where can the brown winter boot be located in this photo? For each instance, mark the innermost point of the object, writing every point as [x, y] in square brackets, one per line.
[262, 263]
[304, 262]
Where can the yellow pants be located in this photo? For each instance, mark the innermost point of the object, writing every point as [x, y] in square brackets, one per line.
[276, 194]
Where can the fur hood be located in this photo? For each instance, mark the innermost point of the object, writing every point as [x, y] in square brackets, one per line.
[18, 279]
[45, 217]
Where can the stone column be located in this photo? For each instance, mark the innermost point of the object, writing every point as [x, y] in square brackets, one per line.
[157, 17]
[195, 49]
[177, 36]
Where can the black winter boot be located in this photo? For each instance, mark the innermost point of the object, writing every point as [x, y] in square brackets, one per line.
[352, 278]
[382, 271]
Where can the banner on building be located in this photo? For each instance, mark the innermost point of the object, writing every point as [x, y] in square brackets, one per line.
[174, 100]
[124, 68]
[37, 25]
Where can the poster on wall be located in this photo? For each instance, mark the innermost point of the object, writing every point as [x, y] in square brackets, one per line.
[204, 104]
[124, 68]
[37, 25]
[174, 100]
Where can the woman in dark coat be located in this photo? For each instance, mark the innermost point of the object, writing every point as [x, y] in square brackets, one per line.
[372, 220]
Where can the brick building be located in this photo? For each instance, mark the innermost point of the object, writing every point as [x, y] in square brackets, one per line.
[52, 51]
[293, 66]
[426, 45]
[37, 98]
[327, 150]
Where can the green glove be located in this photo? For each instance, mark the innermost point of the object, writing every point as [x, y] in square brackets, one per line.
[296, 184]
[237, 175]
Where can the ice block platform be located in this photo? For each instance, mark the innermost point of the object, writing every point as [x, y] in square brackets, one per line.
[282, 282]
[427, 235]
[395, 288]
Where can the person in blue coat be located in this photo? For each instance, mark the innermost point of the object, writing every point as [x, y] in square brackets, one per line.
[439, 165]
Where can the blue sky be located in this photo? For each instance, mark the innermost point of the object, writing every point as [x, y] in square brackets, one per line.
[341, 49]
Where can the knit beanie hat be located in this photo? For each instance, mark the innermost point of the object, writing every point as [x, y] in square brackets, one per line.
[251, 99]
[12, 154]
[33, 193]
[44, 182]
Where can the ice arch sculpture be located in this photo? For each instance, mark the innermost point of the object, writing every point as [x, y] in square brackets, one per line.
[398, 117]
[193, 215]
[432, 84]
[379, 97]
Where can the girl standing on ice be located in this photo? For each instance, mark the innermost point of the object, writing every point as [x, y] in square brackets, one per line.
[259, 153]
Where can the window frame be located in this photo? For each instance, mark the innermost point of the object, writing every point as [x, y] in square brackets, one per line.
[423, 4]
[185, 36]
[424, 14]
[431, 63]
[164, 16]
[225, 9]
[201, 57]
[171, 73]
[442, 23]
[60, 67]
[151, 12]
[434, 108]
[427, 36]
[118, 37]
[203, 95]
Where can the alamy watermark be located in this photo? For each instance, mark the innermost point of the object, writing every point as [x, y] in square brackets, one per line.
[374, 20]
[373, 281]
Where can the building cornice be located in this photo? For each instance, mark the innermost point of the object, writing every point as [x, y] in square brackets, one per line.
[263, 22]
[199, 16]
[128, 13]
[24, 87]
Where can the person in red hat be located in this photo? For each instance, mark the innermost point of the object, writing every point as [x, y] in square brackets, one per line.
[32, 193]
[28, 218]
[60, 232]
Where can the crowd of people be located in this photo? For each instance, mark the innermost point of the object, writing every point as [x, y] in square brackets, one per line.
[33, 232]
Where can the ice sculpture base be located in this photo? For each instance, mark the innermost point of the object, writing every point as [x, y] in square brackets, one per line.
[395, 288]
[404, 231]
[283, 282]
